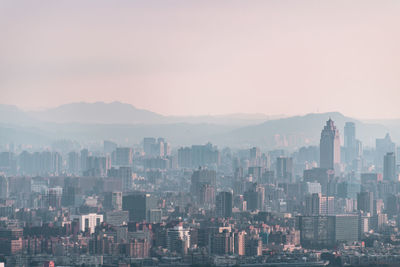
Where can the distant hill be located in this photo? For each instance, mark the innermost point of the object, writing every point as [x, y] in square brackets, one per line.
[99, 112]
[126, 124]
[300, 130]
[119, 113]
[12, 115]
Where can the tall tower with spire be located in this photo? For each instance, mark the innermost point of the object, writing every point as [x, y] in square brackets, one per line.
[330, 147]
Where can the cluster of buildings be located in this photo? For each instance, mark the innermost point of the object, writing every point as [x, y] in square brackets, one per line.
[156, 205]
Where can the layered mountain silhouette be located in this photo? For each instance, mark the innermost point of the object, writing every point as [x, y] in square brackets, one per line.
[126, 124]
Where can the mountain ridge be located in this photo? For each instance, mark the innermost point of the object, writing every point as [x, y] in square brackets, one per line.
[122, 113]
[294, 131]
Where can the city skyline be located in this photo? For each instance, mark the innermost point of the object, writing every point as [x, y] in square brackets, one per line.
[199, 133]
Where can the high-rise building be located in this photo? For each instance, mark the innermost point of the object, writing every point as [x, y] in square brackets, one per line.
[113, 200]
[124, 156]
[221, 241]
[349, 134]
[224, 202]
[155, 216]
[346, 228]
[109, 147]
[148, 142]
[117, 217]
[330, 147]
[178, 239]
[321, 176]
[255, 198]
[207, 195]
[125, 174]
[284, 169]
[84, 156]
[55, 196]
[316, 204]
[383, 146]
[365, 202]
[253, 245]
[239, 244]
[198, 155]
[97, 166]
[326, 231]
[3, 187]
[255, 156]
[139, 206]
[389, 167]
[88, 222]
[153, 147]
[167, 149]
[312, 188]
[185, 157]
[371, 178]
[392, 205]
[71, 191]
[256, 172]
[398, 155]
[73, 163]
[350, 142]
[8, 162]
[200, 179]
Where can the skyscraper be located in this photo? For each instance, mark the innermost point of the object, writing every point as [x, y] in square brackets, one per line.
[200, 179]
[284, 169]
[389, 167]
[124, 156]
[383, 146]
[255, 155]
[321, 176]
[365, 202]
[224, 204]
[139, 206]
[148, 142]
[109, 146]
[350, 142]
[349, 134]
[73, 162]
[316, 204]
[198, 155]
[255, 197]
[113, 200]
[330, 147]
[84, 155]
[326, 231]
[3, 187]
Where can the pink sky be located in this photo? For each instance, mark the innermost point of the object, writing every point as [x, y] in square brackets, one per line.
[204, 57]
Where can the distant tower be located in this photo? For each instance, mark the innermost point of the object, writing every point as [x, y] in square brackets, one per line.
[316, 204]
[224, 204]
[255, 155]
[284, 169]
[139, 206]
[365, 202]
[330, 147]
[383, 146]
[3, 187]
[389, 167]
[84, 158]
[124, 156]
[350, 142]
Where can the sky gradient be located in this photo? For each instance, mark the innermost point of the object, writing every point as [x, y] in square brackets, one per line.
[204, 57]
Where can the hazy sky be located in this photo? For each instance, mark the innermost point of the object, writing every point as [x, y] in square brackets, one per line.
[204, 57]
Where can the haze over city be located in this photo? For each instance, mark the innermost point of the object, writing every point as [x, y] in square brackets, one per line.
[199, 133]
